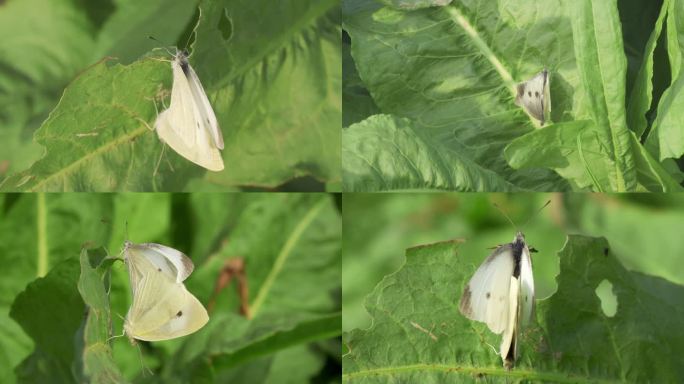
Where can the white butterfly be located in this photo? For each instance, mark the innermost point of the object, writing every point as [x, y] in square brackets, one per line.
[162, 307]
[534, 96]
[501, 294]
[189, 125]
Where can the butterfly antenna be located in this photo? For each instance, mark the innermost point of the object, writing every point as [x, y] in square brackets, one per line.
[126, 229]
[536, 213]
[505, 215]
[163, 45]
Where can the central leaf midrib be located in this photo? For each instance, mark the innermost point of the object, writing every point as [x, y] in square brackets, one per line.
[484, 48]
[100, 150]
[284, 254]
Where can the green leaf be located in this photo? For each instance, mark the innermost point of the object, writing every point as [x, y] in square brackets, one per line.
[562, 146]
[418, 334]
[99, 137]
[602, 68]
[50, 311]
[641, 95]
[666, 139]
[274, 87]
[385, 152]
[267, 335]
[97, 363]
[357, 104]
[630, 224]
[453, 71]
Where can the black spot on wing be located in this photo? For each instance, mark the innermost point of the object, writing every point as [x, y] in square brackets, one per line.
[489, 295]
[158, 269]
[179, 314]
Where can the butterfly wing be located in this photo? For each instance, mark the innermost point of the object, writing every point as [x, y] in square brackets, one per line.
[206, 111]
[183, 127]
[509, 341]
[162, 308]
[171, 261]
[533, 95]
[526, 287]
[486, 297]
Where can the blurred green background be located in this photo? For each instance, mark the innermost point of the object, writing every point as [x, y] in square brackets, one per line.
[644, 231]
[291, 245]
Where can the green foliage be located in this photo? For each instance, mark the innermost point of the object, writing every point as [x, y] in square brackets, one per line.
[291, 248]
[418, 334]
[272, 74]
[451, 72]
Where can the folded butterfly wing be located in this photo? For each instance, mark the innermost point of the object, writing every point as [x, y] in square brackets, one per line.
[186, 127]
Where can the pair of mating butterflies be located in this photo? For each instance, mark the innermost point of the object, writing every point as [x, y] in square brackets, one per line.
[162, 307]
[189, 125]
[501, 295]
[534, 96]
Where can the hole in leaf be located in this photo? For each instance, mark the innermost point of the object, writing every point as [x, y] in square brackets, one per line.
[605, 293]
[225, 25]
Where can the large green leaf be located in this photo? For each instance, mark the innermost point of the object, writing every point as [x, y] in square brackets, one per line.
[602, 68]
[562, 146]
[385, 152]
[452, 71]
[50, 311]
[274, 85]
[641, 95]
[666, 139]
[418, 334]
[48, 42]
[96, 363]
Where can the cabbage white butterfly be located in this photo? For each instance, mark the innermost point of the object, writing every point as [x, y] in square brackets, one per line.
[501, 294]
[162, 307]
[189, 125]
[533, 95]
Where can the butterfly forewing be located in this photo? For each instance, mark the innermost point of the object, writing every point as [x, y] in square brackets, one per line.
[486, 296]
[207, 113]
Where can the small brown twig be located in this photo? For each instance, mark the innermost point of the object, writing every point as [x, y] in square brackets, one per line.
[233, 268]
